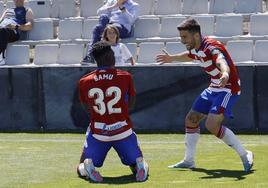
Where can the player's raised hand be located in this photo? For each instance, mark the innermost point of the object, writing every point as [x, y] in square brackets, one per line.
[164, 58]
[224, 79]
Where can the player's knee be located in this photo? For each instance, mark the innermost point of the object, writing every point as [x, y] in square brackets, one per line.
[104, 19]
[81, 172]
[213, 124]
[130, 161]
[189, 123]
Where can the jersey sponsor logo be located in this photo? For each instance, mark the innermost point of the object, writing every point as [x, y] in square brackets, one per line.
[111, 127]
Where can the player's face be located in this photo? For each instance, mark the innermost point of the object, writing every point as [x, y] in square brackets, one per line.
[188, 39]
[111, 35]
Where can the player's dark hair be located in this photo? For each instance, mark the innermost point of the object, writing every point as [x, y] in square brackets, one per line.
[103, 54]
[190, 25]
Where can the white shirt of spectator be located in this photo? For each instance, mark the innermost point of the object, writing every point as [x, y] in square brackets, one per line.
[121, 53]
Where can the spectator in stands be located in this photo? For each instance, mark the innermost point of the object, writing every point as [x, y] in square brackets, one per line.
[120, 13]
[106, 94]
[121, 52]
[13, 23]
[216, 101]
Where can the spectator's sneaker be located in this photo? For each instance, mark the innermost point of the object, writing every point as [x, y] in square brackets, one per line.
[2, 60]
[142, 170]
[91, 171]
[87, 60]
[247, 160]
[183, 164]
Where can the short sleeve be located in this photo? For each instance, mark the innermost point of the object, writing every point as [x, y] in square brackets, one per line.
[126, 55]
[131, 89]
[216, 53]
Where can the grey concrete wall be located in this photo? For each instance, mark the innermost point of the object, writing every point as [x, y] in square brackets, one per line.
[48, 96]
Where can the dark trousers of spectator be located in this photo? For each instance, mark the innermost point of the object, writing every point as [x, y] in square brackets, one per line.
[98, 30]
[7, 36]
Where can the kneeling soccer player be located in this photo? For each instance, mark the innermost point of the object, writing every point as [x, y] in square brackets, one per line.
[108, 93]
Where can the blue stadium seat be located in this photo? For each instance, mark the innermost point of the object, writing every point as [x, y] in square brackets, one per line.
[46, 54]
[88, 8]
[70, 29]
[148, 52]
[70, 54]
[221, 7]
[240, 50]
[169, 26]
[17, 54]
[168, 7]
[260, 54]
[40, 8]
[195, 7]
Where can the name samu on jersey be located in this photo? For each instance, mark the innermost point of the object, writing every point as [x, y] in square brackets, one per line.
[112, 123]
[207, 55]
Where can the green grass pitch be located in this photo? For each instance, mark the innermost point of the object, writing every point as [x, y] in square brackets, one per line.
[49, 160]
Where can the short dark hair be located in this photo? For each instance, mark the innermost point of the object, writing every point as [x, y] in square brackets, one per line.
[190, 25]
[103, 54]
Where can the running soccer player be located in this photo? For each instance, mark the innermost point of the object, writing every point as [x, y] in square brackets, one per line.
[216, 101]
[107, 93]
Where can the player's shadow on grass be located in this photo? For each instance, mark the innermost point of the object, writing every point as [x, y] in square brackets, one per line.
[125, 179]
[222, 173]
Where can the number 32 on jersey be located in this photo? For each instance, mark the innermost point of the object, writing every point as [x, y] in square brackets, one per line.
[100, 107]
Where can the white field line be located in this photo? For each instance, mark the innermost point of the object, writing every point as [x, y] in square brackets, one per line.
[142, 142]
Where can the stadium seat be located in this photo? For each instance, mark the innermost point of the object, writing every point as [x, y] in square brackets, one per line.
[240, 50]
[175, 47]
[258, 24]
[42, 30]
[147, 27]
[148, 52]
[221, 7]
[195, 7]
[146, 7]
[260, 51]
[40, 8]
[89, 8]
[248, 6]
[206, 22]
[229, 25]
[70, 29]
[17, 54]
[168, 7]
[70, 53]
[67, 8]
[55, 9]
[46, 54]
[87, 28]
[133, 49]
[169, 26]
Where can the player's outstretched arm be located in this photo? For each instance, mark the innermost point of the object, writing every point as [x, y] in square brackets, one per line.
[225, 70]
[168, 58]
